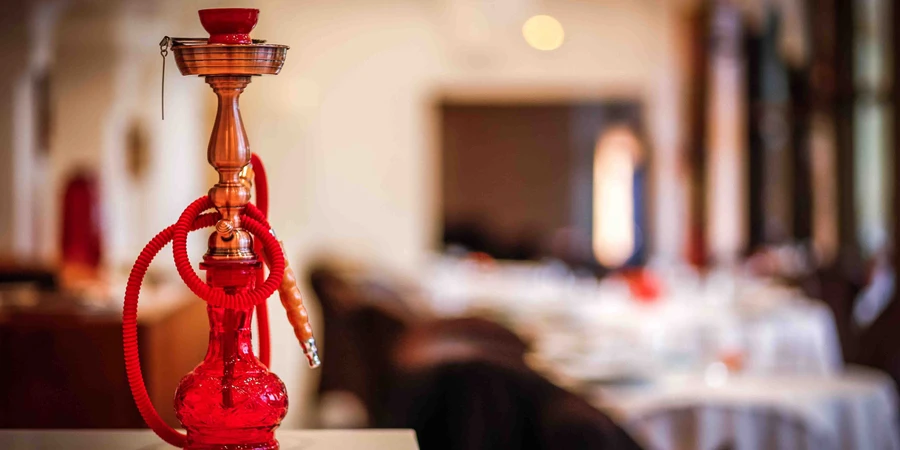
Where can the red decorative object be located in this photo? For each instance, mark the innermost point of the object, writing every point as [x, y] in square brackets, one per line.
[81, 234]
[643, 284]
[229, 25]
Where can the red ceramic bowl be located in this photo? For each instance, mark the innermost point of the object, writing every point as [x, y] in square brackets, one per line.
[229, 25]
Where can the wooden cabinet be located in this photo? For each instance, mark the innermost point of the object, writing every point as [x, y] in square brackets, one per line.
[62, 367]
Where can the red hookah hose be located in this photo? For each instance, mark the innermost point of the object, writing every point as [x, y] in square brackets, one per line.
[129, 331]
[261, 184]
[253, 222]
[191, 219]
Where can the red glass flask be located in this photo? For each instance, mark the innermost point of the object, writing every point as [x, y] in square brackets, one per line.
[231, 401]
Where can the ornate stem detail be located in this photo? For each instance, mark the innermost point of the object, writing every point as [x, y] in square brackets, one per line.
[229, 153]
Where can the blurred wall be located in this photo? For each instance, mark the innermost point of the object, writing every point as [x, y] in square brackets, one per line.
[14, 27]
[347, 130]
[100, 68]
[352, 111]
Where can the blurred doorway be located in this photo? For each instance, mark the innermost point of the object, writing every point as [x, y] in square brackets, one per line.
[518, 179]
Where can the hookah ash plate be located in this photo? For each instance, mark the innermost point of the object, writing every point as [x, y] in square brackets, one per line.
[202, 59]
[229, 49]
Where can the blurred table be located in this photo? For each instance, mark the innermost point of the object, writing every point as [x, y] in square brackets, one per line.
[64, 364]
[596, 339]
[579, 324]
[146, 440]
[854, 410]
[723, 360]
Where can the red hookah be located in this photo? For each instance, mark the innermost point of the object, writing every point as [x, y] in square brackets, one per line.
[230, 401]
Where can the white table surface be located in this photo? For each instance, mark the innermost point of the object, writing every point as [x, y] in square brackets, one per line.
[855, 410]
[146, 440]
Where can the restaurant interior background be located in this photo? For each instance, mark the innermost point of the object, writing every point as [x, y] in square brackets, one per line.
[683, 209]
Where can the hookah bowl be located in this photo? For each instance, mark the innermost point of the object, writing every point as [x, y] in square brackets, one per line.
[230, 401]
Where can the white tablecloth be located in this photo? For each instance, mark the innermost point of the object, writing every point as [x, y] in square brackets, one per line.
[855, 410]
[593, 328]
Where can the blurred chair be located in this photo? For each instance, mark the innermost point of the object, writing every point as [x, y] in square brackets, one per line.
[362, 321]
[462, 383]
[471, 401]
[472, 336]
[365, 319]
[839, 285]
[878, 343]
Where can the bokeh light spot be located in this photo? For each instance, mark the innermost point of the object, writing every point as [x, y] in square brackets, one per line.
[543, 32]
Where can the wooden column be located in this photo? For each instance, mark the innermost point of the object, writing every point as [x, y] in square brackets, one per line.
[696, 154]
[844, 114]
[895, 100]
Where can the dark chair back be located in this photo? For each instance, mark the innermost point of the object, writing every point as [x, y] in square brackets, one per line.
[838, 287]
[360, 334]
[878, 344]
[479, 403]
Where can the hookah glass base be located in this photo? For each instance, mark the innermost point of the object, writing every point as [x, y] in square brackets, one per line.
[231, 401]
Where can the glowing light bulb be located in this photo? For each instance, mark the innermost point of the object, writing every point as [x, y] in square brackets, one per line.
[543, 32]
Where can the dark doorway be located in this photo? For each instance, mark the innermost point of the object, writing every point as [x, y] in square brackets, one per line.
[518, 179]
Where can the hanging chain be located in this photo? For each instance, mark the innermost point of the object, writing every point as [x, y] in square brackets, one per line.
[163, 51]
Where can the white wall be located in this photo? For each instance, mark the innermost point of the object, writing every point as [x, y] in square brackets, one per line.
[104, 77]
